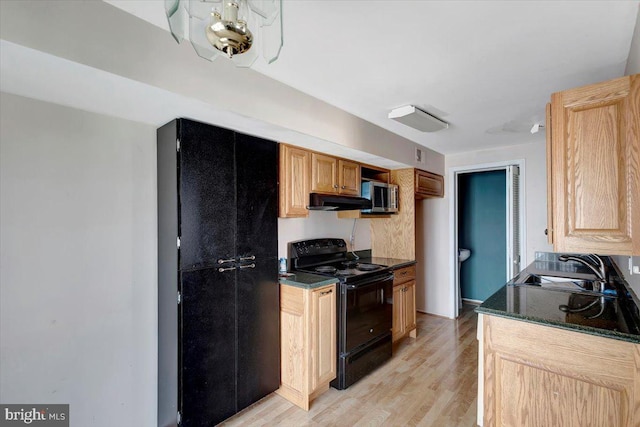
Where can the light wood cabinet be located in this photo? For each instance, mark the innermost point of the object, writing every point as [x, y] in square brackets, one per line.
[303, 172]
[295, 170]
[308, 342]
[428, 184]
[324, 173]
[395, 237]
[537, 375]
[594, 175]
[334, 176]
[348, 178]
[404, 303]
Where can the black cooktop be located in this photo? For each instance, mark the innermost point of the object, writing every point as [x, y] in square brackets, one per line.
[329, 257]
[346, 268]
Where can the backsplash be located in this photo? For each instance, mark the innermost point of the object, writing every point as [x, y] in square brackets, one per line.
[322, 224]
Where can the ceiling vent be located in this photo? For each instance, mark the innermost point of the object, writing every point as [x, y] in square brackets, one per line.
[414, 117]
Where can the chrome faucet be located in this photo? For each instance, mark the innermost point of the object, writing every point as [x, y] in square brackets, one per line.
[594, 263]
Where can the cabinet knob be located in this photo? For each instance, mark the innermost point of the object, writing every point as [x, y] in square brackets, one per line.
[335, 185]
[344, 186]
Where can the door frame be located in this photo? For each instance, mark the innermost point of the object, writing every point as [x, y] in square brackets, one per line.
[453, 173]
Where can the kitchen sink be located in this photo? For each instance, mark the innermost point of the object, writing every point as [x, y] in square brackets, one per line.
[571, 284]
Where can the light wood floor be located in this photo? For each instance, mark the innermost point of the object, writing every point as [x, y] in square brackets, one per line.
[430, 381]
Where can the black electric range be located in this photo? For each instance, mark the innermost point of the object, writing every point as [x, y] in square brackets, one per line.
[364, 305]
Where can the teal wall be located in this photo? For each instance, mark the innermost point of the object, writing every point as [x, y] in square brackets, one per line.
[482, 219]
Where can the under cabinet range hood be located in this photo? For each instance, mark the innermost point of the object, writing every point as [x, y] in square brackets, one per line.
[330, 202]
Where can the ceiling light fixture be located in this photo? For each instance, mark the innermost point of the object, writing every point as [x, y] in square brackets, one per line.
[416, 118]
[238, 29]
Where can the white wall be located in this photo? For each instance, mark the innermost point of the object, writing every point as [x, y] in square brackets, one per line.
[78, 303]
[436, 217]
[633, 62]
[322, 224]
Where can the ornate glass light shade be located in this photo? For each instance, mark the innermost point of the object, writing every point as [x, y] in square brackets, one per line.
[240, 30]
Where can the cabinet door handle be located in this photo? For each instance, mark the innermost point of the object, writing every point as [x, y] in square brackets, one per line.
[335, 185]
[546, 231]
[326, 292]
[404, 273]
[344, 186]
[222, 270]
[223, 261]
[252, 265]
[247, 258]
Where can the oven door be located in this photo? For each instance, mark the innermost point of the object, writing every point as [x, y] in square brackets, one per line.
[366, 311]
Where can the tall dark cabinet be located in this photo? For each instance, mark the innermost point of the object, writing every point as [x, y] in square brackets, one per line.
[218, 293]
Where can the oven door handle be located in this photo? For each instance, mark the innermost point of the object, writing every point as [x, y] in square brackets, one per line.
[371, 281]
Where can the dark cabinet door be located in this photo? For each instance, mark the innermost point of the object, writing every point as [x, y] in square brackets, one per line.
[257, 196]
[207, 329]
[258, 331]
[207, 195]
[229, 322]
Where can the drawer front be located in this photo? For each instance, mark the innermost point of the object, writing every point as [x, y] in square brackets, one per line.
[404, 274]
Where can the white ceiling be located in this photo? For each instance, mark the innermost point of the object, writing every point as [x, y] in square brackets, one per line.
[486, 67]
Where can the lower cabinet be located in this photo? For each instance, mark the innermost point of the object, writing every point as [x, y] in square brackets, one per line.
[308, 342]
[404, 303]
[538, 375]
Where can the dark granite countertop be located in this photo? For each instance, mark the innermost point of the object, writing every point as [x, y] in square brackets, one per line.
[612, 315]
[307, 281]
[393, 263]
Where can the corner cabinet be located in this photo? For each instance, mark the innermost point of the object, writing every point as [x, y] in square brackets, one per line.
[404, 303]
[308, 335]
[295, 171]
[538, 375]
[594, 171]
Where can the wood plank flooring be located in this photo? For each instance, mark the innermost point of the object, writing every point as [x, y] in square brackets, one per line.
[430, 381]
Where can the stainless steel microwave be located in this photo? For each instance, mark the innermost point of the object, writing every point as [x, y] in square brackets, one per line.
[383, 196]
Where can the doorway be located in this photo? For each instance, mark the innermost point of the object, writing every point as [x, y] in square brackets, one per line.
[488, 221]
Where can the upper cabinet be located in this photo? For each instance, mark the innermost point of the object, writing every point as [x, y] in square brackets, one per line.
[295, 173]
[331, 175]
[594, 168]
[324, 173]
[428, 184]
[303, 172]
[348, 178]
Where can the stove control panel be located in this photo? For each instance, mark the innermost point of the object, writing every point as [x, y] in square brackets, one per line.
[305, 248]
